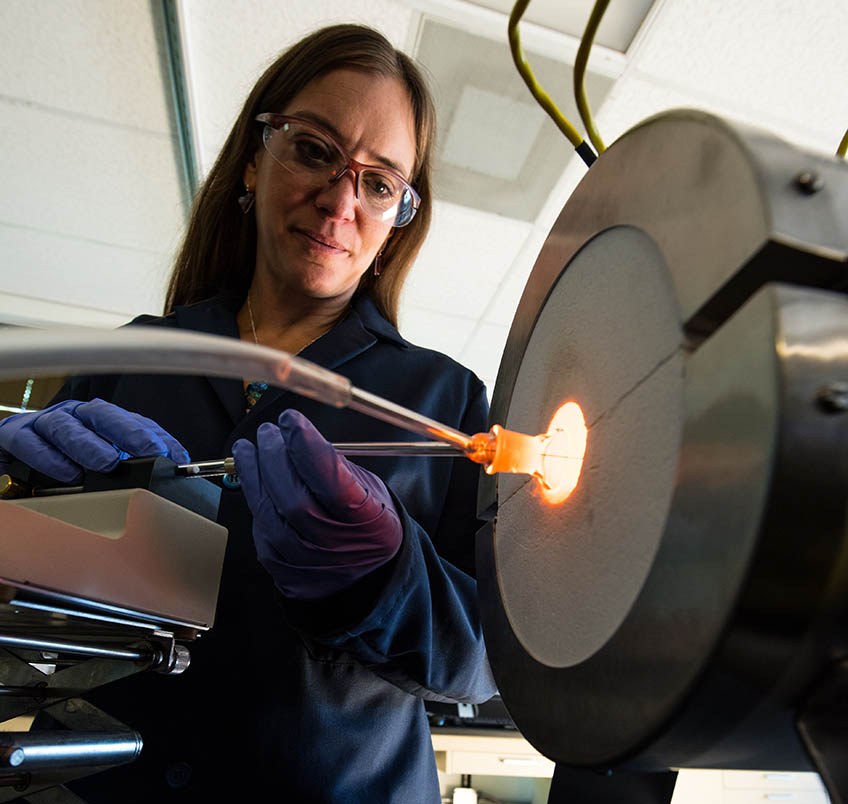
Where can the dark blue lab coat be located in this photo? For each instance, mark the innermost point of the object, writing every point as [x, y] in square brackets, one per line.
[290, 701]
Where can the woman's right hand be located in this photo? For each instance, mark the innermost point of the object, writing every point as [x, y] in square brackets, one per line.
[62, 440]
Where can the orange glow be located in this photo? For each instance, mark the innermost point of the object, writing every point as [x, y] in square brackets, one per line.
[562, 455]
[554, 457]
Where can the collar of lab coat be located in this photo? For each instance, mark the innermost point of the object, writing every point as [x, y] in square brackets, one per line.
[358, 331]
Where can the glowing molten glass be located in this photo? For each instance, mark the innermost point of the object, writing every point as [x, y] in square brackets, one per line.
[554, 458]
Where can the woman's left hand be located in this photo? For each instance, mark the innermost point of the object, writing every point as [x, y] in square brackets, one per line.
[320, 522]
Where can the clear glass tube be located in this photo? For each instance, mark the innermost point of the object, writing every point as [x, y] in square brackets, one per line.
[29, 353]
[145, 350]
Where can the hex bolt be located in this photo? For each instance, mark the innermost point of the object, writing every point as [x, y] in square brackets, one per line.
[833, 398]
[809, 182]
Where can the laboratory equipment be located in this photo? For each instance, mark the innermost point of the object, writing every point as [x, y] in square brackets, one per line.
[144, 349]
[554, 457]
[94, 587]
[687, 606]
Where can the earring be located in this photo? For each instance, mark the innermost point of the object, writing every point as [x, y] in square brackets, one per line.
[246, 200]
[378, 263]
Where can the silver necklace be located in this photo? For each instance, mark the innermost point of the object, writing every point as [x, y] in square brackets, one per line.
[252, 325]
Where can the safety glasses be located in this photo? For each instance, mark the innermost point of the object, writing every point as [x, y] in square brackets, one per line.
[309, 152]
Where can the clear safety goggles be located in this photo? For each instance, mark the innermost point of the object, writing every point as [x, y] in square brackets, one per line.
[309, 152]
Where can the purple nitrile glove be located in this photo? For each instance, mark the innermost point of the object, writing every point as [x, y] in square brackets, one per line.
[62, 440]
[320, 522]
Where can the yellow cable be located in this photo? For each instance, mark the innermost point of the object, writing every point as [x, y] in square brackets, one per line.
[580, 72]
[538, 93]
[843, 146]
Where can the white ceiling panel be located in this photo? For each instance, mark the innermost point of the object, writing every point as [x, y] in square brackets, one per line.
[636, 97]
[501, 308]
[34, 311]
[483, 352]
[117, 283]
[92, 204]
[77, 55]
[464, 260]
[780, 64]
[498, 150]
[484, 126]
[228, 45]
[99, 182]
[617, 28]
[434, 330]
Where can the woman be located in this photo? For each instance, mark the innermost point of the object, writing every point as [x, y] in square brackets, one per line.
[310, 686]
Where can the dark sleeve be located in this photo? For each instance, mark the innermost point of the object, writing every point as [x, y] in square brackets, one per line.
[415, 621]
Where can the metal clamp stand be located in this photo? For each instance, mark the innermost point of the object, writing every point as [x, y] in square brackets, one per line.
[69, 623]
[41, 676]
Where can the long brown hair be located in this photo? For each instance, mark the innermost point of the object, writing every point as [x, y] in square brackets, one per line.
[218, 252]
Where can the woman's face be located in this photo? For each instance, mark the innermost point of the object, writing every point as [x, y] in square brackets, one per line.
[316, 242]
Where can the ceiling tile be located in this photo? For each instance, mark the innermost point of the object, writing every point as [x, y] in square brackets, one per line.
[463, 261]
[778, 63]
[31, 311]
[501, 309]
[464, 65]
[89, 180]
[434, 330]
[485, 127]
[92, 58]
[484, 351]
[636, 98]
[228, 45]
[617, 29]
[81, 273]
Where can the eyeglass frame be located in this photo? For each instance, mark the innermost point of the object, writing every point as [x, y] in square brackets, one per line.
[268, 119]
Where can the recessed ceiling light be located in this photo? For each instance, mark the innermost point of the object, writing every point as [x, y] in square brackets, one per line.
[488, 127]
